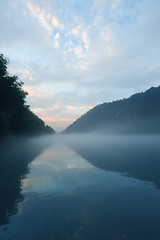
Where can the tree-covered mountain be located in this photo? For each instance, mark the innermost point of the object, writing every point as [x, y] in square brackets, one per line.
[15, 115]
[139, 113]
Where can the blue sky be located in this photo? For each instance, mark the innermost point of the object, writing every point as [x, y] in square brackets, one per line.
[74, 54]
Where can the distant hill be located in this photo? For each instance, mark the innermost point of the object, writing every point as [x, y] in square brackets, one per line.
[139, 113]
[15, 116]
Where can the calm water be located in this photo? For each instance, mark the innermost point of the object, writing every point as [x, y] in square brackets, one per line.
[80, 188]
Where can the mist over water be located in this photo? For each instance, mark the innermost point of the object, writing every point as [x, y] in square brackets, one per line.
[86, 186]
[132, 155]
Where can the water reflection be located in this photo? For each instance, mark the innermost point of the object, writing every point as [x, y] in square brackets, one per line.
[15, 155]
[69, 198]
[136, 156]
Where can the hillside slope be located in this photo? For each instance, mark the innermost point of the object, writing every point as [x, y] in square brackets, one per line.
[139, 113]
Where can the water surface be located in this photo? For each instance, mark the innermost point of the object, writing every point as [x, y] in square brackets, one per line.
[80, 187]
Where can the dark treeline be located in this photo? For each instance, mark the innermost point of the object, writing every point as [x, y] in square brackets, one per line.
[15, 115]
[139, 113]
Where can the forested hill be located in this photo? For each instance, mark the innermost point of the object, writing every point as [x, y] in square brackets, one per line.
[15, 115]
[139, 113]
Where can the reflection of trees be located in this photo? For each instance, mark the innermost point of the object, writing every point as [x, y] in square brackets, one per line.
[15, 155]
[138, 157]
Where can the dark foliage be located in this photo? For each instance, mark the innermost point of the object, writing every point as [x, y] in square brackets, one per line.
[15, 115]
[138, 114]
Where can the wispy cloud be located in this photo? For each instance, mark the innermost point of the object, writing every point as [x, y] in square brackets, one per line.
[73, 55]
[46, 19]
[41, 15]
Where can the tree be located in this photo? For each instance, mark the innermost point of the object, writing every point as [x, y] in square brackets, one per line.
[15, 115]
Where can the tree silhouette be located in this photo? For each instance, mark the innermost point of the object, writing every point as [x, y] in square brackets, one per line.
[15, 115]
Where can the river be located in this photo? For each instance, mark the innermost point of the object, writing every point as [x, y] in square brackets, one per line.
[80, 187]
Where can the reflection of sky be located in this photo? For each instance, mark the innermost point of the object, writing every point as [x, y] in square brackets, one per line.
[60, 169]
[64, 194]
[54, 169]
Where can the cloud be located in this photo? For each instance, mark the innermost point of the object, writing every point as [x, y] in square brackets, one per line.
[74, 54]
[115, 3]
[57, 36]
[42, 17]
[37, 94]
[85, 39]
[56, 23]
[56, 44]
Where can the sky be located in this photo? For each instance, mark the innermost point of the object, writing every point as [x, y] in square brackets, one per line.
[75, 54]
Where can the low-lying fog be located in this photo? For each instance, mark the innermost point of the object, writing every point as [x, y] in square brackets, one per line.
[132, 155]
